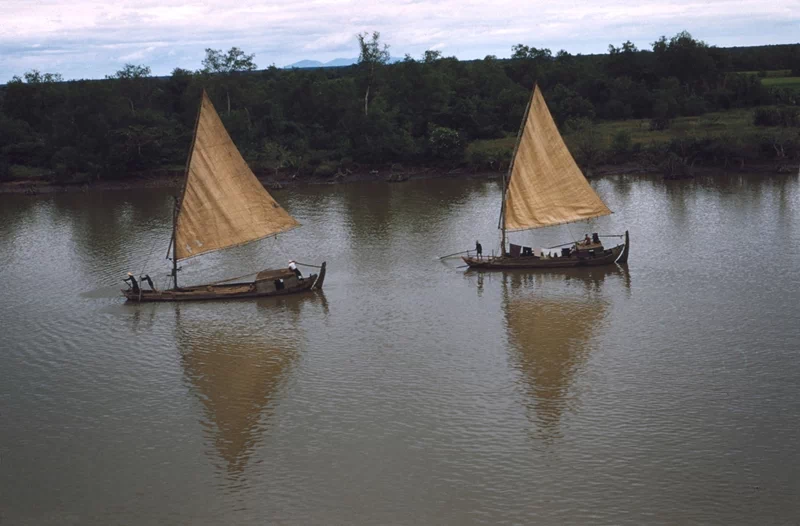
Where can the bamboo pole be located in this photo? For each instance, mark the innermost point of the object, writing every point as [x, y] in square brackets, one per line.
[454, 254]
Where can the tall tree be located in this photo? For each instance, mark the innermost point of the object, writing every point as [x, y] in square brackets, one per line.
[372, 55]
[227, 64]
[130, 78]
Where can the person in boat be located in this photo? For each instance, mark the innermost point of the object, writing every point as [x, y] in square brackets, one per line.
[293, 267]
[149, 281]
[587, 240]
[132, 283]
[478, 248]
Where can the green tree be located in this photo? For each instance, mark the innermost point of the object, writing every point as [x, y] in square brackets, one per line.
[131, 78]
[446, 143]
[34, 76]
[372, 55]
[226, 65]
[432, 55]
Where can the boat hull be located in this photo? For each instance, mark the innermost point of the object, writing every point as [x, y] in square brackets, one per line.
[616, 255]
[269, 283]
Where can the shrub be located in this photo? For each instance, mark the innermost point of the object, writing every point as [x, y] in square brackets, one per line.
[576, 124]
[326, 169]
[5, 171]
[621, 143]
[694, 106]
[445, 143]
[659, 124]
[588, 147]
[786, 117]
[617, 110]
[496, 158]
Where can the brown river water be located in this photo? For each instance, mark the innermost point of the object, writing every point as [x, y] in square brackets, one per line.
[409, 391]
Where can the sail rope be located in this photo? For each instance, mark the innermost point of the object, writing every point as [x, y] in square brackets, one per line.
[283, 253]
[307, 265]
[149, 257]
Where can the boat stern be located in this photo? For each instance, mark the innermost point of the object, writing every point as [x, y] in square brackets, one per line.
[622, 259]
[321, 277]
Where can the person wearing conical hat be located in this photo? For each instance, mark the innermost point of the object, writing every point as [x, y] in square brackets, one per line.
[132, 282]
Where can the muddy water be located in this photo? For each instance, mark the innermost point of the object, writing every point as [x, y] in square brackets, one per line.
[410, 391]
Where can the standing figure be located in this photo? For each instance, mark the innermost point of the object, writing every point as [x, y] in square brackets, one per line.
[149, 281]
[293, 266]
[478, 248]
[132, 282]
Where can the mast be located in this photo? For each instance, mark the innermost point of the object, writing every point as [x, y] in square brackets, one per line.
[178, 200]
[174, 252]
[507, 177]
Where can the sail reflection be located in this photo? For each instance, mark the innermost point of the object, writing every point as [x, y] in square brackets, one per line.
[551, 339]
[237, 373]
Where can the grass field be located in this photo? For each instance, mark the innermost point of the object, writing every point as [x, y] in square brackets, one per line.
[778, 78]
[27, 173]
[782, 82]
[772, 73]
[738, 122]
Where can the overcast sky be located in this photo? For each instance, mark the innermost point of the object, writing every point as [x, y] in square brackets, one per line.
[91, 38]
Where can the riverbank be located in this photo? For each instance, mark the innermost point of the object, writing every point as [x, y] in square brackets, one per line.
[392, 174]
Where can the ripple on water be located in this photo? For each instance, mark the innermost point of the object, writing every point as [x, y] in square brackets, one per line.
[410, 391]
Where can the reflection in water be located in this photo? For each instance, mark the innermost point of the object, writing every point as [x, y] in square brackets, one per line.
[237, 372]
[551, 336]
[586, 278]
[677, 396]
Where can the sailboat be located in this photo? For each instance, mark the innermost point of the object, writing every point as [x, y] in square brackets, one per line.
[223, 205]
[544, 187]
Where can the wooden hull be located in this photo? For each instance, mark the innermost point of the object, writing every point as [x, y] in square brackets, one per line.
[616, 255]
[268, 283]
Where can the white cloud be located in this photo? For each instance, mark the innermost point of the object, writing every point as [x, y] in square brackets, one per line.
[158, 31]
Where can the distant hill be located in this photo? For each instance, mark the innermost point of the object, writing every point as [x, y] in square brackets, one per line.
[335, 63]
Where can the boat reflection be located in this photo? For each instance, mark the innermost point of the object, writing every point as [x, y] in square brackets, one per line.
[237, 372]
[587, 278]
[551, 338]
[583, 278]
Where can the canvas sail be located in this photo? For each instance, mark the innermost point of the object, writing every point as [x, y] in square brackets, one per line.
[546, 187]
[223, 204]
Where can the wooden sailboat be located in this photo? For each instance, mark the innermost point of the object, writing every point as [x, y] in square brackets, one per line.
[223, 205]
[544, 187]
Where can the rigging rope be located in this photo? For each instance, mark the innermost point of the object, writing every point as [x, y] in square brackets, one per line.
[149, 257]
[307, 265]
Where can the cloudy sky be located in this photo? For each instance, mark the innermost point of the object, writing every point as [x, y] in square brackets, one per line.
[91, 38]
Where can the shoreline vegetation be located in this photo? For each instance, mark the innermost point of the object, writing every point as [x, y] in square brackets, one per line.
[391, 174]
[680, 109]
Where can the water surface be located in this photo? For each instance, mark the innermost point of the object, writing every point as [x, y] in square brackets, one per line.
[410, 391]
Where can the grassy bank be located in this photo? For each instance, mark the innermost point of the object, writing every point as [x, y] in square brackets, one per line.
[719, 139]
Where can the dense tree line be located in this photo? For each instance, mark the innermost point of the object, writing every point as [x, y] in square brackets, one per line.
[325, 120]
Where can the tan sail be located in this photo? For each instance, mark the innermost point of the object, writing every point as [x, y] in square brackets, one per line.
[546, 187]
[223, 204]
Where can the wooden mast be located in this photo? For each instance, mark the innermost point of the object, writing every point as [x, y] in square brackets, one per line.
[507, 177]
[178, 200]
[174, 252]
